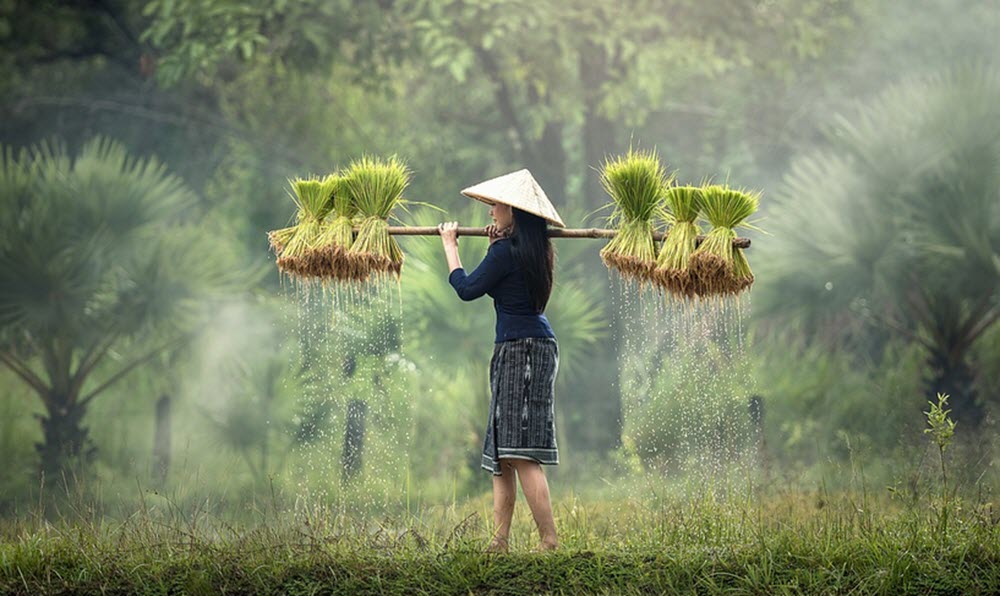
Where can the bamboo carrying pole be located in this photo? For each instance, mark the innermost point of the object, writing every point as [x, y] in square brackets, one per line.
[553, 233]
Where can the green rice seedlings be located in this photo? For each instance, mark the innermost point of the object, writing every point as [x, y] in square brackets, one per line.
[636, 183]
[718, 267]
[336, 234]
[310, 196]
[672, 272]
[279, 238]
[375, 187]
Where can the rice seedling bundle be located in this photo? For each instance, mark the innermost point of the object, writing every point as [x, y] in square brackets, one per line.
[375, 187]
[279, 238]
[672, 272]
[717, 267]
[336, 235]
[311, 196]
[636, 183]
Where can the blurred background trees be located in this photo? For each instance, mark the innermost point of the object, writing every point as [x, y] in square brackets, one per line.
[100, 274]
[870, 126]
[909, 227]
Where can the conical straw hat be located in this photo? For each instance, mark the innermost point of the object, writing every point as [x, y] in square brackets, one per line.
[517, 189]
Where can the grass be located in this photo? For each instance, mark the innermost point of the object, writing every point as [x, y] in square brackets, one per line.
[792, 543]
[735, 530]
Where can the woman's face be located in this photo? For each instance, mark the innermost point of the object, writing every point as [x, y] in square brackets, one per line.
[503, 215]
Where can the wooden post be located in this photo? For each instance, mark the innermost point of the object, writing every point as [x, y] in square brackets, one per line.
[351, 461]
[354, 440]
[161, 440]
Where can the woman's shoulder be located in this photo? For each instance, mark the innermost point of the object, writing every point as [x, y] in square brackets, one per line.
[500, 252]
[501, 245]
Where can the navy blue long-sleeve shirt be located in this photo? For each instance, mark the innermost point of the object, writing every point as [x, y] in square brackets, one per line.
[500, 276]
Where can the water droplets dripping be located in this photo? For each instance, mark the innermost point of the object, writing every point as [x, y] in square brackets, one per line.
[685, 391]
[352, 415]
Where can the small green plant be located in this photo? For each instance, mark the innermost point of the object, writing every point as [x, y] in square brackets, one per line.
[941, 426]
[942, 430]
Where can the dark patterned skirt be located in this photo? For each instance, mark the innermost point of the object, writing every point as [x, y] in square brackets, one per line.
[521, 423]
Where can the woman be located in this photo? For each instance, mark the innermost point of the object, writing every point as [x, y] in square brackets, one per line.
[517, 273]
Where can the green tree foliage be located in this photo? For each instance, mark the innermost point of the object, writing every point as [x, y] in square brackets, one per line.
[570, 80]
[560, 77]
[40, 32]
[897, 223]
[251, 93]
[101, 270]
[468, 89]
[215, 39]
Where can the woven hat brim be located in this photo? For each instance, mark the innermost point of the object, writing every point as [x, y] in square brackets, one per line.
[518, 189]
[491, 201]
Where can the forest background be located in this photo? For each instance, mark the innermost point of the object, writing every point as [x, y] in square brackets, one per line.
[147, 340]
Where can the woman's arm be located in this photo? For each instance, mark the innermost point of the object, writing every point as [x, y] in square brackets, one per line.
[450, 240]
[486, 275]
[449, 237]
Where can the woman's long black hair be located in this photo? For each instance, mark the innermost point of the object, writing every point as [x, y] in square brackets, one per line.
[533, 250]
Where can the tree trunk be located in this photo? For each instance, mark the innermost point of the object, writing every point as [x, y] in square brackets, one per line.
[354, 435]
[598, 132]
[65, 440]
[756, 408]
[551, 165]
[161, 440]
[950, 373]
[354, 440]
[599, 140]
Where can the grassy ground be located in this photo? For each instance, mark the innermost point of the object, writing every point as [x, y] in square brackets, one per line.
[795, 543]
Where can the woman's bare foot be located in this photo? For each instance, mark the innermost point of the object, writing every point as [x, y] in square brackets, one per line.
[546, 545]
[497, 545]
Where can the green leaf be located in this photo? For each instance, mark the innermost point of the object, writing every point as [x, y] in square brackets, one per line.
[246, 49]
